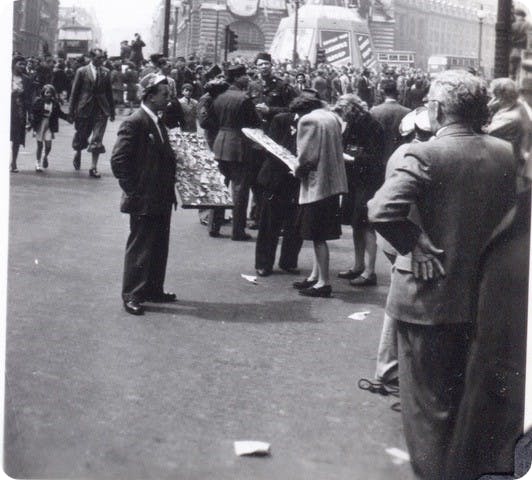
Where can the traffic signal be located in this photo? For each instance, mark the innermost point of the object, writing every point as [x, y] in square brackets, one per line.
[232, 43]
[320, 55]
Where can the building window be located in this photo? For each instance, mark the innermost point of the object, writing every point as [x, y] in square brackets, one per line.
[250, 37]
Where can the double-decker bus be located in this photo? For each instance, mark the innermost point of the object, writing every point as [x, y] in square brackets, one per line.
[397, 58]
[440, 63]
[74, 40]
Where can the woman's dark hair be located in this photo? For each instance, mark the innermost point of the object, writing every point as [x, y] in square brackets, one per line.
[305, 103]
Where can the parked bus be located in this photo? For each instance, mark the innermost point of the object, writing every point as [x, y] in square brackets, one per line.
[440, 63]
[397, 58]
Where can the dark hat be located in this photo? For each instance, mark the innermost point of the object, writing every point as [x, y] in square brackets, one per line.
[263, 56]
[187, 86]
[180, 59]
[198, 68]
[16, 59]
[519, 12]
[213, 72]
[235, 71]
[155, 57]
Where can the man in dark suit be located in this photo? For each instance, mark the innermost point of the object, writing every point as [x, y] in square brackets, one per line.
[279, 202]
[235, 110]
[91, 104]
[451, 181]
[389, 114]
[144, 163]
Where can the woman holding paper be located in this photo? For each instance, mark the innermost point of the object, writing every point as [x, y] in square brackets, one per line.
[322, 173]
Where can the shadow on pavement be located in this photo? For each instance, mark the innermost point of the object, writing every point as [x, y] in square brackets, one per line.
[293, 311]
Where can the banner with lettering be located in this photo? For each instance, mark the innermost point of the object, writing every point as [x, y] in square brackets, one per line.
[337, 45]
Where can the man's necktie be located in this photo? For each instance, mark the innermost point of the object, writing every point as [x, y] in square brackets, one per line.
[162, 129]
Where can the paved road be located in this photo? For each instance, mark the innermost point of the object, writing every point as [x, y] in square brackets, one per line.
[93, 392]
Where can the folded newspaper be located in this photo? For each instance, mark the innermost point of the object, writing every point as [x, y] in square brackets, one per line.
[278, 151]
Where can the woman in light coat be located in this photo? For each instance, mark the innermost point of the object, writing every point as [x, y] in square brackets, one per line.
[322, 172]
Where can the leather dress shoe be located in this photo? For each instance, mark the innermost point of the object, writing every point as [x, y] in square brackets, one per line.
[292, 271]
[133, 307]
[214, 234]
[77, 161]
[362, 281]
[242, 238]
[94, 173]
[263, 272]
[164, 297]
[350, 274]
[323, 292]
[304, 284]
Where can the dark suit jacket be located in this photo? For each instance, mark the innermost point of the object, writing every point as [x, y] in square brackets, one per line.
[144, 166]
[274, 175]
[462, 185]
[389, 115]
[87, 94]
[234, 110]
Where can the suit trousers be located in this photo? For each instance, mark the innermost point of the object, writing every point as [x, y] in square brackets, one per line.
[257, 159]
[95, 125]
[215, 219]
[432, 363]
[278, 210]
[146, 256]
[239, 174]
[387, 365]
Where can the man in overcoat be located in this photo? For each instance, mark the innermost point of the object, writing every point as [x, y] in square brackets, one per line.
[91, 104]
[144, 163]
[462, 184]
[235, 110]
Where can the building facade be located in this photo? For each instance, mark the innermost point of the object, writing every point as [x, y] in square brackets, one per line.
[197, 27]
[432, 27]
[35, 24]
[425, 27]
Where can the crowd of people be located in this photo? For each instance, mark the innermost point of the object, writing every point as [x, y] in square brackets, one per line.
[438, 167]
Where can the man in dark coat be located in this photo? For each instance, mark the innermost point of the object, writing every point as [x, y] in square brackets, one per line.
[364, 87]
[389, 114]
[235, 110]
[279, 203]
[208, 121]
[451, 181]
[91, 104]
[274, 97]
[144, 163]
[491, 415]
[136, 47]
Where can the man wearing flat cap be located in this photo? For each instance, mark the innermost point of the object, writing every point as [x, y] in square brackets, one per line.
[144, 164]
[235, 110]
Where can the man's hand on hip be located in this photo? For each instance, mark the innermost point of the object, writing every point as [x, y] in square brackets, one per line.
[425, 262]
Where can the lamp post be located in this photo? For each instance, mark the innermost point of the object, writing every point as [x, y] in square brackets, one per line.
[294, 53]
[166, 34]
[216, 28]
[503, 29]
[481, 15]
[176, 21]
